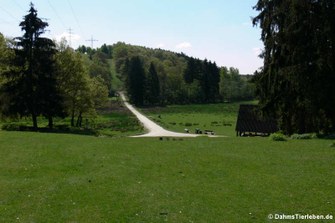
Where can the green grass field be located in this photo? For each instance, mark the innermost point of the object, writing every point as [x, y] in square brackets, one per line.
[220, 118]
[72, 178]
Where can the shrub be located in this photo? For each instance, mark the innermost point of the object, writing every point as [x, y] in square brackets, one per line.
[10, 127]
[278, 137]
[301, 136]
[63, 127]
[16, 127]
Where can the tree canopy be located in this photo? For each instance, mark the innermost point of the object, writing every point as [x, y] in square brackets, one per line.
[30, 88]
[180, 79]
[135, 81]
[297, 81]
[38, 78]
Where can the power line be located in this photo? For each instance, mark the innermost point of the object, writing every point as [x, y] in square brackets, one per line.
[10, 14]
[17, 4]
[92, 41]
[60, 19]
[75, 17]
[4, 21]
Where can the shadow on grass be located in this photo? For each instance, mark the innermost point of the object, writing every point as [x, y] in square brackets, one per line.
[60, 129]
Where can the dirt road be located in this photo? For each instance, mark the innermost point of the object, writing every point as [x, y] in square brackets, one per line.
[153, 129]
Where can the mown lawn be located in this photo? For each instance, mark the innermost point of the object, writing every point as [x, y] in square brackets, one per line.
[73, 178]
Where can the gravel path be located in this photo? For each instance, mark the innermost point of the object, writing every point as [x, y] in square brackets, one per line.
[153, 129]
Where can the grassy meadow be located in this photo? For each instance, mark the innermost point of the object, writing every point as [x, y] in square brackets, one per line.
[220, 118]
[113, 120]
[49, 177]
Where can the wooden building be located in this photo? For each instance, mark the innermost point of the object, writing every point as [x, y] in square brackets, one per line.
[250, 122]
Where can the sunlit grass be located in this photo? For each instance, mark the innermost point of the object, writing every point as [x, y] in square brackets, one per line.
[220, 118]
[71, 178]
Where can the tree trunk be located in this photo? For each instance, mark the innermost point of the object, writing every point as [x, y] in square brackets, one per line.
[73, 112]
[79, 120]
[51, 124]
[72, 119]
[35, 126]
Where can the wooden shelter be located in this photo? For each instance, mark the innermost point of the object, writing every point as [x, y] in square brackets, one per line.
[250, 122]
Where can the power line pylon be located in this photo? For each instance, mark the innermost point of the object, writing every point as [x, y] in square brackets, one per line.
[70, 36]
[92, 41]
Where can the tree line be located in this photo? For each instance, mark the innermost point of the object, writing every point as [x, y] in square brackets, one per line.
[296, 83]
[41, 78]
[160, 77]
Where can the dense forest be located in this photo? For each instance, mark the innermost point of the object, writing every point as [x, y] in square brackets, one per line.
[39, 77]
[160, 77]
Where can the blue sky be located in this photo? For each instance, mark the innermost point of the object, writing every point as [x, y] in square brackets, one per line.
[219, 30]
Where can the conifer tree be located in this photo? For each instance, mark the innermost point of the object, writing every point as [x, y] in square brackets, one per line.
[297, 81]
[153, 86]
[31, 90]
[136, 81]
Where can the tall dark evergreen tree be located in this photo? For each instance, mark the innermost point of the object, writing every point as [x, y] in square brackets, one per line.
[49, 98]
[208, 75]
[136, 81]
[32, 88]
[191, 71]
[205, 80]
[194, 70]
[210, 81]
[152, 86]
[296, 82]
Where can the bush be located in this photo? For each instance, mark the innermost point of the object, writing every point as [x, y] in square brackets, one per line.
[63, 127]
[302, 136]
[10, 127]
[16, 127]
[278, 137]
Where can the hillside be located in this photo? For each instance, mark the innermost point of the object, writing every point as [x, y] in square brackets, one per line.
[162, 77]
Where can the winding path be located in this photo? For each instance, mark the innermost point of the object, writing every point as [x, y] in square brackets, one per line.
[153, 129]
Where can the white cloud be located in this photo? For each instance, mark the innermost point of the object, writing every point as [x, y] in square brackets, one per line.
[184, 45]
[74, 37]
[160, 45]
